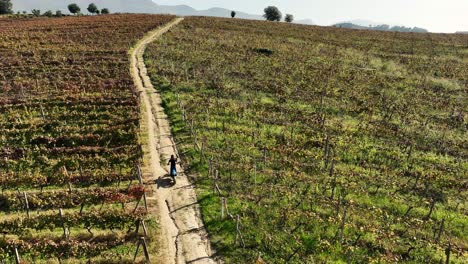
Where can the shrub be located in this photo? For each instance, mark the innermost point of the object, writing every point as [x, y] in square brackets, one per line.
[36, 12]
[233, 14]
[289, 18]
[105, 11]
[48, 13]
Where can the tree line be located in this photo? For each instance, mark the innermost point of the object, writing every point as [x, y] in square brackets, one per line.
[382, 27]
[272, 13]
[6, 7]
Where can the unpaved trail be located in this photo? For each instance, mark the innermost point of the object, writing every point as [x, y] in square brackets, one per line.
[183, 238]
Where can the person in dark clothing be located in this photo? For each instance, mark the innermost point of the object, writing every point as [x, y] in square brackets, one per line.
[172, 171]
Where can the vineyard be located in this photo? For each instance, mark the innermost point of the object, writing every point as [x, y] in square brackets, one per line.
[321, 145]
[70, 154]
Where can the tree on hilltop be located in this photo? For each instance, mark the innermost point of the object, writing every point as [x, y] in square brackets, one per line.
[36, 12]
[289, 18]
[48, 13]
[105, 11]
[272, 13]
[92, 8]
[233, 14]
[6, 7]
[74, 8]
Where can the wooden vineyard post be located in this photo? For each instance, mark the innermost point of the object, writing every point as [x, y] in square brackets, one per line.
[201, 151]
[238, 232]
[227, 209]
[191, 126]
[217, 189]
[332, 167]
[42, 112]
[65, 234]
[65, 171]
[223, 201]
[195, 139]
[81, 171]
[143, 225]
[26, 203]
[17, 256]
[447, 253]
[142, 242]
[145, 231]
[338, 204]
[137, 226]
[145, 249]
[210, 167]
[214, 181]
[332, 196]
[140, 180]
[439, 232]
[237, 229]
[136, 251]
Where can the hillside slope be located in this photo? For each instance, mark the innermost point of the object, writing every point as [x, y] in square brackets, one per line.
[321, 145]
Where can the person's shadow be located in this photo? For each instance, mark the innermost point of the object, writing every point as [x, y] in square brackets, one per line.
[165, 181]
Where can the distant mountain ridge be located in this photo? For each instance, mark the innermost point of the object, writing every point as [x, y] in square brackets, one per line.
[150, 7]
[126, 6]
[134, 6]
[383, 27]
[130, 6]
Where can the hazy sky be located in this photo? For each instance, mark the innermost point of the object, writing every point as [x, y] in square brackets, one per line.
[435, 15]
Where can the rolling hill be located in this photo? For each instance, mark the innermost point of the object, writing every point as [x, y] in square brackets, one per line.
[328, 145]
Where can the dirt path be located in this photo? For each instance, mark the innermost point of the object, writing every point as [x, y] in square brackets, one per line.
[183, 238]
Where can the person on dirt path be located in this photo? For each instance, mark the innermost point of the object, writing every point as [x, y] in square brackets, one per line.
[173, 171]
